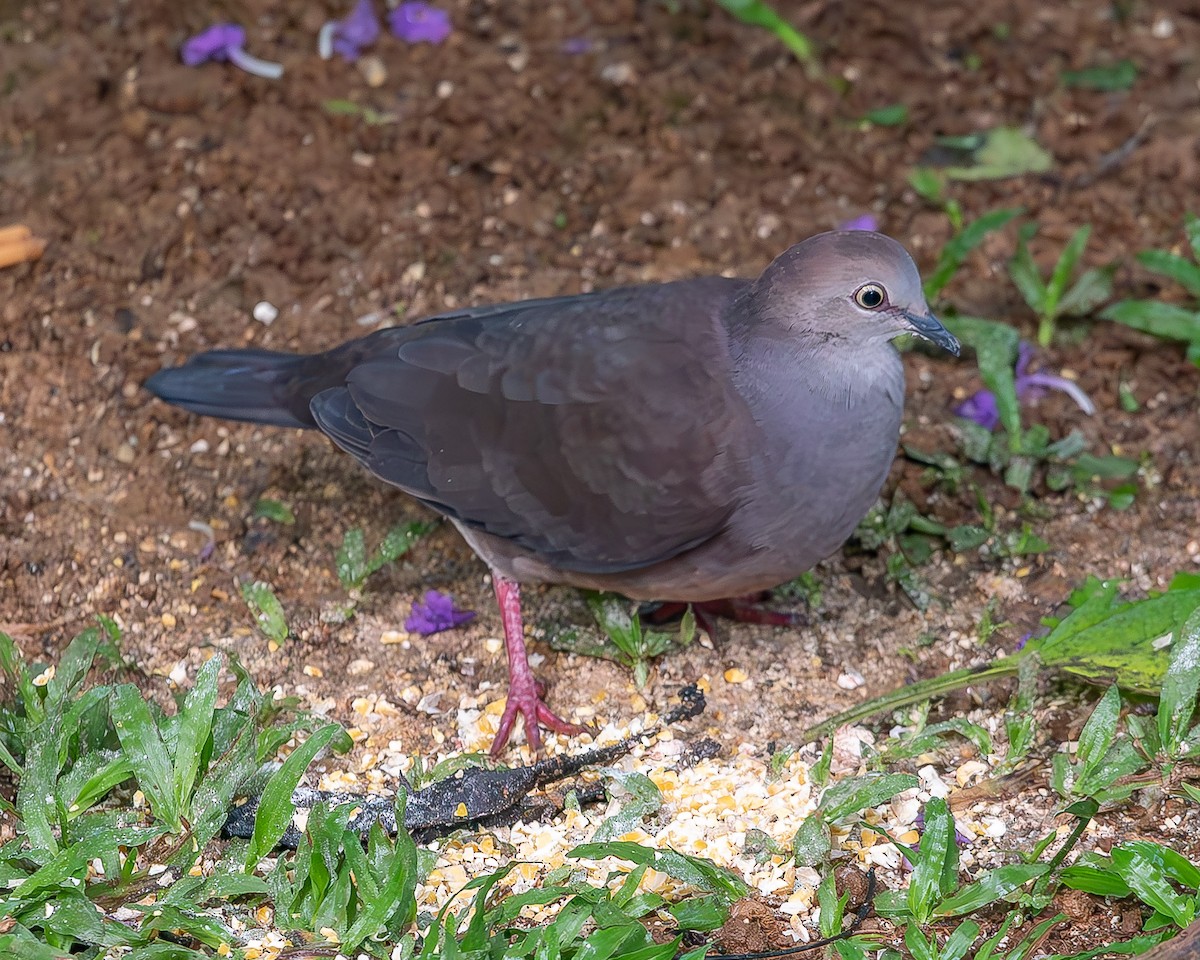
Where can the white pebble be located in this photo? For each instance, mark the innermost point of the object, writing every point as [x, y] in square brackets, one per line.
[265, 312]
[851, 680]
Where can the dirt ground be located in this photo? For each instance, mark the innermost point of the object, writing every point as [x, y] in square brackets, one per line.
[680, 143]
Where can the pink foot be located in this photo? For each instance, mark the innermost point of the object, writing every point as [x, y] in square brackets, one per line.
[748, 609]
[524, 692]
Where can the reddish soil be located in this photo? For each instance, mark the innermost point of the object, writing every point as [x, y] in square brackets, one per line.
[682, 143]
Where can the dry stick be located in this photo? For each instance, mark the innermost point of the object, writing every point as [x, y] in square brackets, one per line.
[18, 231]
[21, 251]
[1114, 158]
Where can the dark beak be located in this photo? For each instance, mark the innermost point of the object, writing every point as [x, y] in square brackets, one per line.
[930, 328]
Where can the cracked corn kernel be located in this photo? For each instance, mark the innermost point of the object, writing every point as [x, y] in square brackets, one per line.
[736, 675]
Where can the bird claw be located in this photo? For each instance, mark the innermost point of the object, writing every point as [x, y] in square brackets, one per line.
[525, 699]
[748, 609]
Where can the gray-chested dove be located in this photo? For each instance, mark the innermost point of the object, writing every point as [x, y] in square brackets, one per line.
[689, 441]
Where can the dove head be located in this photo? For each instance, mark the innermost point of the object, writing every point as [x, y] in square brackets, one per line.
[853, 287]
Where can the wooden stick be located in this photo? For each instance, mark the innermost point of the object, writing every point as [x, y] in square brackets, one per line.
[18, 231]
[22, 251]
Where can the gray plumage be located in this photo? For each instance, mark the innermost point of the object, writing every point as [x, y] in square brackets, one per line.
[682, 441]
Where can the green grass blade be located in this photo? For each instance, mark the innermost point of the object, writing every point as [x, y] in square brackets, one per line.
[1182, 271]
[994, 885]
[192, 729]
[275, 808]
[1177, 702]
[1064, 269]
[140, 739]
[759, 14]
[1165, 320]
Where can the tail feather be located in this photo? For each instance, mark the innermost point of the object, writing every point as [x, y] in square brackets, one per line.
[258, 386]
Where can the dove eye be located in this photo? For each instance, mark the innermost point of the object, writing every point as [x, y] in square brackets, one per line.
[870, 296]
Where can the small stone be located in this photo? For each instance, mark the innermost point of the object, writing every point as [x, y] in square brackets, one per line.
[265, 312]
[851, 680]
[200, 446]
[373, 70]
[125, 453]
[168, 620]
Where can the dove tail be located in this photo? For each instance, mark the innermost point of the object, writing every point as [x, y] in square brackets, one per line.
[258, 386]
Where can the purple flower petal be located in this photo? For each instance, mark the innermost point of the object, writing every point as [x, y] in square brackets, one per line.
[435, 614]
[346, 37]
[576, 45]
[212, 44]
[418, 22]
[1033, 383]
[225, 41]
[1024, 355]
[982, 408]
[866, 221]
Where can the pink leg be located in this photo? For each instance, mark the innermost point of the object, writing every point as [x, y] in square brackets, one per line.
[524, 692]
[747, 609]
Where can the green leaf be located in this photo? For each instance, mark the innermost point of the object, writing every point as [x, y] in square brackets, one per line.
[1191, 227]
[394, 894]
[760, 14]
[192, 729]
[918, 945]
[1064, 269]
[889, 116]
[1005, 152]
[1103, 881]
[268, 611]
[1106, 77]
[700, 873]
[275, 810]
[928, 184]
[1102, 639]
[1092, 289]
[644, 800]
[1182, 271]
[1177, 702]
[1149, 883]
[862, 793]
[700, 913]
[1025, 274]
[143, 745]
[935, 873]
[812, 841]
[398, 541]
[350, 561]
[273, 510]
[960, 941]
[995, 345]
[1174, 864]
[1100, 730]
[992, 886]
[1165, 320]
[1126, 645]
[955, 252]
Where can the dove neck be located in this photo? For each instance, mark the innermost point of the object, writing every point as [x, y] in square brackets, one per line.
[774, 366]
